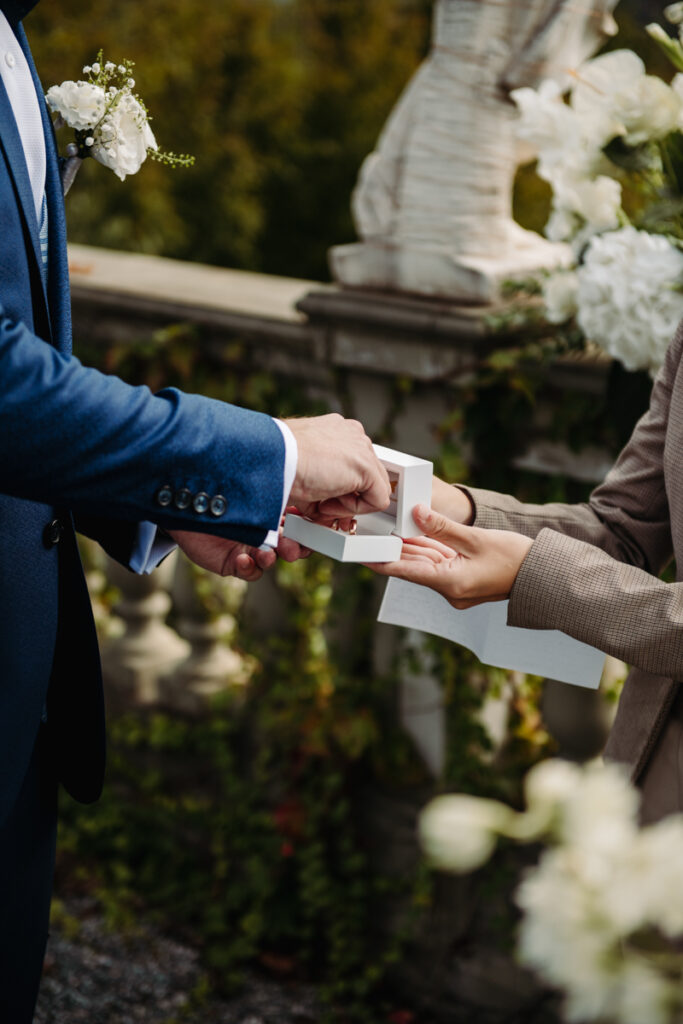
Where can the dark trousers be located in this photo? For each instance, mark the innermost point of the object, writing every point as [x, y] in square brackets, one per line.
[27, 858]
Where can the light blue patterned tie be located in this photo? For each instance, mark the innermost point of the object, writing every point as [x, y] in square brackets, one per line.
[43, 238]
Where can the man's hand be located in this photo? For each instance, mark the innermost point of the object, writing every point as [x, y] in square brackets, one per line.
[338, 473]
[230, 558]
[464, 564]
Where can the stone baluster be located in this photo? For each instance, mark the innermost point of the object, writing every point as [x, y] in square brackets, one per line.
[206, 606]
[147, 647]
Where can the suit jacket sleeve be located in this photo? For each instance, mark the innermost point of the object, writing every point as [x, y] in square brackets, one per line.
[72, 436]
[592, 569]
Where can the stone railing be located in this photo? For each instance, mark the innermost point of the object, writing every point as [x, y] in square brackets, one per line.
[310, 334]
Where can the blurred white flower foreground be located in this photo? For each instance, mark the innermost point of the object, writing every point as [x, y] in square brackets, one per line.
[601, 908]
[617, 127]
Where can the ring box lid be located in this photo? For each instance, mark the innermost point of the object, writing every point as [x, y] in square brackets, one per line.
[411, 485]
[378, 533]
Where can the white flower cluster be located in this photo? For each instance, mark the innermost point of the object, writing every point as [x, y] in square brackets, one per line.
[111, 123]
[604, 903]
[612, 98]
[625, 292]
[629, 295]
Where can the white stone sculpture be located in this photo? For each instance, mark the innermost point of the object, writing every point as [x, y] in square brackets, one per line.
[433, 201]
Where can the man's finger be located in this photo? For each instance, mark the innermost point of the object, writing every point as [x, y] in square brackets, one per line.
[264, 559]
[377, 495]
[246, 568]
[290, 550]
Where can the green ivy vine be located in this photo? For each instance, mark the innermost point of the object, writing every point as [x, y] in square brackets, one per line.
[244, 830]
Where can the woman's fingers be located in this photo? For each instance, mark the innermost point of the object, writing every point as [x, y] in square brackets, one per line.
[443, 529]
[429, 547]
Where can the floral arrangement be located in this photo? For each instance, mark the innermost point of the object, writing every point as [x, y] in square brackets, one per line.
[603, 907]
[612, 151]
[110, 121]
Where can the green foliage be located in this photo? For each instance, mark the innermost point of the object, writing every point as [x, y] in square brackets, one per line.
[279, 101]
[240, 829]
[246, 830]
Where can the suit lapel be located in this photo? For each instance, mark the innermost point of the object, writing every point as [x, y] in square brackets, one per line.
[10, 142]
[59, 303]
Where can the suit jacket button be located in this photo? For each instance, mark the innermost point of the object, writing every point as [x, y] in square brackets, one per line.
[52, 533]
[218, 505]
[201, 502]
[182, 498]
[164, 496]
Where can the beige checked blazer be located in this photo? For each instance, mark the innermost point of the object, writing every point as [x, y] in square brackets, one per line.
[593, 568]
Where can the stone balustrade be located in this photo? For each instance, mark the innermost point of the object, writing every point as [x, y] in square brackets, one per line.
[345, 347]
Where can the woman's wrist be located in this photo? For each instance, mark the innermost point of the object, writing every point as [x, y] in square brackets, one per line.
[452, 501]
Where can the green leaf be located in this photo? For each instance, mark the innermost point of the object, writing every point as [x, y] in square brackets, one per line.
[671, 47]
[644, 158]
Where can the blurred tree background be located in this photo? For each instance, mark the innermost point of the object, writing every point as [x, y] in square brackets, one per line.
[279, 100]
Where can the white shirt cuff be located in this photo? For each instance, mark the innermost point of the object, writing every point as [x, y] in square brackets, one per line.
[291, 460]
[150, 549]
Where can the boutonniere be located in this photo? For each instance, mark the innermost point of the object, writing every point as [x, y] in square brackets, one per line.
[110, 121]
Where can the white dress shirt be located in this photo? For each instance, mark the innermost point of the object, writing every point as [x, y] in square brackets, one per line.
[16, 77]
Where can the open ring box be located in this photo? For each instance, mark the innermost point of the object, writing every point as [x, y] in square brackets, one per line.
[379, 534]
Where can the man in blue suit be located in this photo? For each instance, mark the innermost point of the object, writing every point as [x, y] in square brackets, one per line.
[82, 450]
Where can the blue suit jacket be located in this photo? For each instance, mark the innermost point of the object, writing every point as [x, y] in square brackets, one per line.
[77, 444]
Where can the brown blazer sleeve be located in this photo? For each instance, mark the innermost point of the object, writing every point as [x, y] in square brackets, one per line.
[592, 570]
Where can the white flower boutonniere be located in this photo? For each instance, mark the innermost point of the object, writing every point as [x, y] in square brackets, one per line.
[110, 121]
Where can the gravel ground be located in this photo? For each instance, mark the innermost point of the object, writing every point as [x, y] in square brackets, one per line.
[102, 977]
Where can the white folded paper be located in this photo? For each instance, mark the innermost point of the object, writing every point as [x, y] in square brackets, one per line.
[484, 630]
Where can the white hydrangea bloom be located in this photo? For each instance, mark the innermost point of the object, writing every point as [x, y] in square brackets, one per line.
[123, 143]
[597, 201]
[594, 895]
[550, 784]
[563, 934]
[649, 110]
[546, 122]
[571, 937]
[459, 833]
[674, 13]
[80, 104]
[562, 225]
[628, 302]
[615, 89]
[560, 293]
[657, 863]
[598, 80]
[563, 140]
[600, 816]
[643, 994]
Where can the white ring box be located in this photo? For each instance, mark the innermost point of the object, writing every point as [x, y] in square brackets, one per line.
[379, 534]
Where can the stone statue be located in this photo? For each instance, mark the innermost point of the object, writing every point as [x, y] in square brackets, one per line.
[433, 201]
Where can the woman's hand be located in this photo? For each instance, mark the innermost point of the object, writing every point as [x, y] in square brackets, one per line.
[465, 564]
